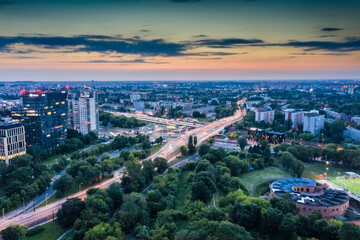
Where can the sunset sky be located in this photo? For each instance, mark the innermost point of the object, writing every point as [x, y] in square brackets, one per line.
[179, 39]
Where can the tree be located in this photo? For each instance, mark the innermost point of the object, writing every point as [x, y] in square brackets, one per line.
[116, 194]
[236, 165]
[62, 184]
[161, 164]
[148, 170]
[203, 186]
[349, 231]
[195, 140]
[298, 168]
[133, 210]
[13, 232]
[183, 151]
[242, 141]
[69, 212]
[204, 149]
[103, 231]
[191, 147]
[271, 220]
[287, 226]
[230, 231]
[159, 140]
[247, 215]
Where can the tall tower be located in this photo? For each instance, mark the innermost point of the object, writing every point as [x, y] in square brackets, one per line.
[44, 115]
[84, 112]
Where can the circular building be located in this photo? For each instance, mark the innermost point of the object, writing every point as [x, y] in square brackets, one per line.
[309, 197]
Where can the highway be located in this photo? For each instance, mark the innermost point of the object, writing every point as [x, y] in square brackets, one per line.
[157, 119]
[168, 151]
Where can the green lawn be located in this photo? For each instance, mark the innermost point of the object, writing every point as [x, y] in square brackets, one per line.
[257, 177]
[52, 232]
[316, 170]
[155, 148]
[353, 185]
[56, 158]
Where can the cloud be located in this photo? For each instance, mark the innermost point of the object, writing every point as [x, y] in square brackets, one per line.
[331, 29]
[144, 31]
[348, 45]
[200, 36]
[98, 43]
[227, 42]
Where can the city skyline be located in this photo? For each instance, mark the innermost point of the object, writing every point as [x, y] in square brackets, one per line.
[179, 40]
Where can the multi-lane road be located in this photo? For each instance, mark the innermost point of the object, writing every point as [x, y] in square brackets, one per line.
[168, 151]
[158, 120]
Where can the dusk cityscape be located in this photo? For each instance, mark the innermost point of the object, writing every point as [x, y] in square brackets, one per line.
[180, 120]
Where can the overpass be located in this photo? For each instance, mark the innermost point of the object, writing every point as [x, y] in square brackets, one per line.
[157, 120]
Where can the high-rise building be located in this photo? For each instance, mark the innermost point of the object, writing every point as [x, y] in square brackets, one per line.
[84, 113]
[351, 90]
[313, 123]
[12, 141]
[44, 115]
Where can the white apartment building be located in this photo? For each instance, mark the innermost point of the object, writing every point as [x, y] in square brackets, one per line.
[12, 141]
[84, 113]
[296, 117]
[265, 115]
[313, 123]
[352, 133]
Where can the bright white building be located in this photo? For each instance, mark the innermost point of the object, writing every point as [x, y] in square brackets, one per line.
[12, 141]
[313, 123]
[265, 115]
[84, 112]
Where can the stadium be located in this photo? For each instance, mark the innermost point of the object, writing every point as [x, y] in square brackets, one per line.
[310, 197]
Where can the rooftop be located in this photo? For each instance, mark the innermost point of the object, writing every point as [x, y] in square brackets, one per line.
[327, 197]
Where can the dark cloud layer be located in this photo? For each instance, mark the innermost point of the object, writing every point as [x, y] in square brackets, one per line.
[99, 43]
[346, 46]
[227, 42]
[158, 47]
[331, 29]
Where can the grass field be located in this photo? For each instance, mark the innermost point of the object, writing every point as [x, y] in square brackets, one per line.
[353, 185]
[52, 232]
[316, 170]
[257, 177]
[155, 148]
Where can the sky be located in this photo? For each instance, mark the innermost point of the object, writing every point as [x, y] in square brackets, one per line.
[65, 40]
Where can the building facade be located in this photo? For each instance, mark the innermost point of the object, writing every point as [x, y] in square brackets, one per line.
[84, 112]
[310, 197]
[313, 123]
[44, 115]
[12, 141]
[352, 133]
[264, 115]
[296, 118]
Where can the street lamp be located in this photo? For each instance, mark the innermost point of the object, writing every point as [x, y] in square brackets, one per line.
[326, 170]
[46, 197]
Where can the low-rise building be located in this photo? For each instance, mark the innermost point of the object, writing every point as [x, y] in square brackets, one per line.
[310, 197]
